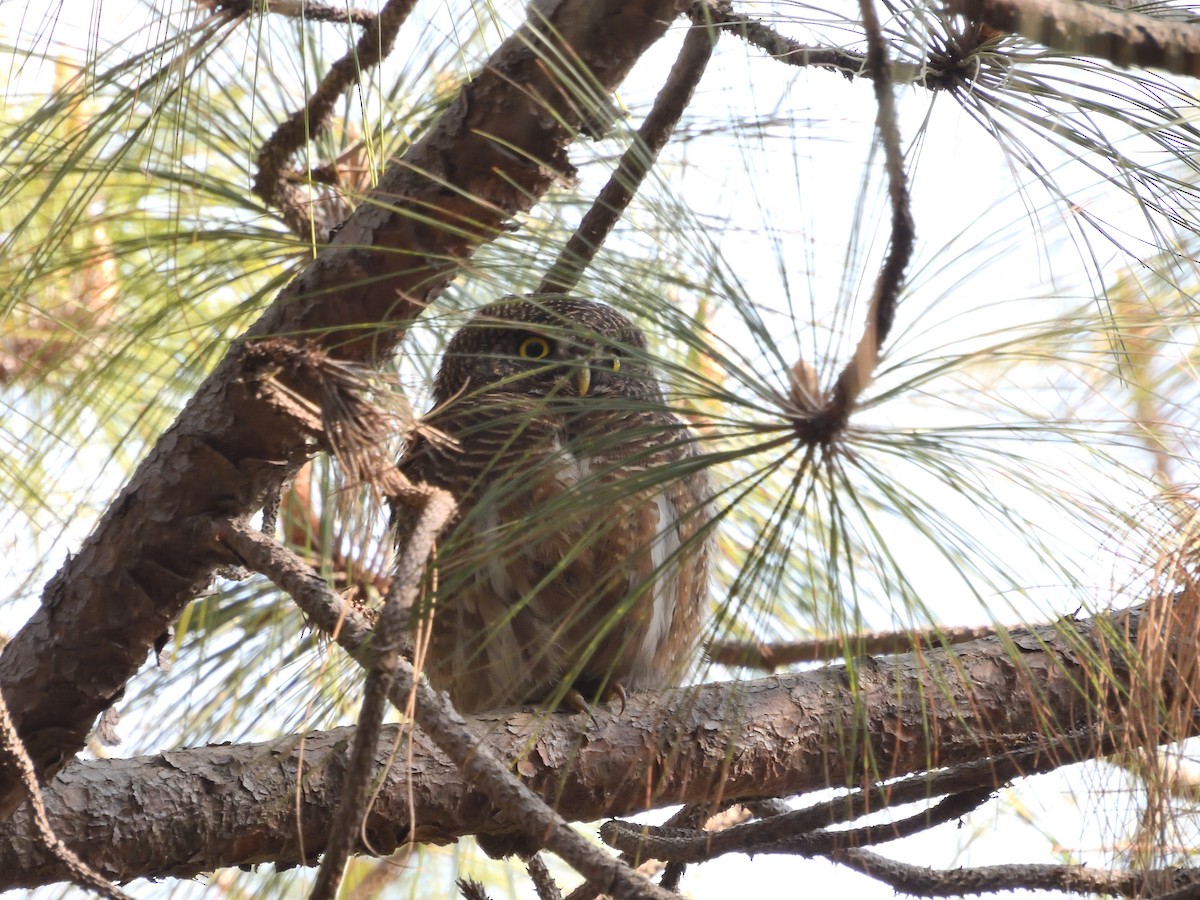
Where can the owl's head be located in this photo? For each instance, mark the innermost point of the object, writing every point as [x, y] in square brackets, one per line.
[548, 345]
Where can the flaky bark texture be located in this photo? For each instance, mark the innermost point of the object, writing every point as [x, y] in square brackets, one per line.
[1163, 40]
[191, 811]
[497, 148]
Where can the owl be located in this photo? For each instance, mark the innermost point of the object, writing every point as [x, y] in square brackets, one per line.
[577, 566]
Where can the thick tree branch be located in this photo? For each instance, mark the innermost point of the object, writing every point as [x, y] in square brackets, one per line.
[493, 152]
[195, 810]
[1091, 29]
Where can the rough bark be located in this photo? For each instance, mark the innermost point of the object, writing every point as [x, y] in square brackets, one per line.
[497, 148]
[1164, 40]
[191, 811]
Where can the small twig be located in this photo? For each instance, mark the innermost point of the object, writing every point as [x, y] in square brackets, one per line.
[764, 809]
[925, 882]
[543, 883]
[636, 162]
[672, 875]
[436, 716]
[690, 815]
[823, 426]
[938, 71]
[1040, 756]
[272, 182]
[734, 814]
[770, 656]
[782, 830]
[299, 9]
[1187, 879]
[780, 823]
[270, 510]
[684, 845]
[13, 753]
[784, 48]
[438, 508]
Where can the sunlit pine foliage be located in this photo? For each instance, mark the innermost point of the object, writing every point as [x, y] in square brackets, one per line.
[1035, 398]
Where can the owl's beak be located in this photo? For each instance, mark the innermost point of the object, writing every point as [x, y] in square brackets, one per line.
[583, 380]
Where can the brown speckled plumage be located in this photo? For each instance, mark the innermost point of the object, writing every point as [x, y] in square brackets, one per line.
[573, 563]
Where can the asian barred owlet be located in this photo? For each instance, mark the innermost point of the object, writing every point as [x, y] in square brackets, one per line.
[578, 561]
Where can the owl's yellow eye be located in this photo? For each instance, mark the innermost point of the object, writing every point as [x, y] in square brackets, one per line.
[534, 348]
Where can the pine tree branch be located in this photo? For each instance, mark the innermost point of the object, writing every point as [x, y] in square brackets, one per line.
[785, 49]
[294, 9]
[13, 754]
[1122, 37]
[921, 881]
[690, 846]
[825, 423]
[436, 509]
[768, 657]
[610, 204]
[1040, 691]
[275, 183]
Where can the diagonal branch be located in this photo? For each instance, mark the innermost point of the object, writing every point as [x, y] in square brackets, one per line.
[636, 162]
[827, 422]
[275, 184]
[435, 716]
[494, 151]
[437, 508]
[13, 754]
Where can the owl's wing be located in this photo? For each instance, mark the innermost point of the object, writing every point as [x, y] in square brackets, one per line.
[651, 555]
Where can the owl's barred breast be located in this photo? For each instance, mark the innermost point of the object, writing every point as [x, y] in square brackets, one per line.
[579, 557]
